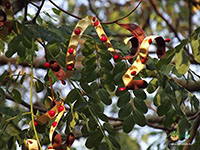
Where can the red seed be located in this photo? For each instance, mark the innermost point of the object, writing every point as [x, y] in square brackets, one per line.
[104, 38]
[52, 113]
[116, 56]
[71, 50]
[94, 18]
[35, 123]
[143, 61]
[122, 89]
[47, 65]
[133, 73]
[77, 31]
[61, 108]
[30, 142]
[150, 41]
[50, 147]
[8, 5]
[167, 40]
[69, 67]
[54, 124]
[63, 82]
[96, 23]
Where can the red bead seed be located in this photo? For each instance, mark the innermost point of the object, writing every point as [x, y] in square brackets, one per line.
[150, 41]
[30, 142]
[96, 23]
[35, 123]
[71, 50]
[52, 113]
[8, 5]
[94, 18]
[116, 57]
[47, 65]
[104, 38]
[167, 40]
[61, 108]
[54, 124]
[122, 89]
[63, 82]
[50, 147]
[143, 61]
[77, 31]
[133, 73]
[69, 67]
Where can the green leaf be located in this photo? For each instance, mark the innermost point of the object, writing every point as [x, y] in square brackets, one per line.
[128, 123]
[86, 87]
[72, 96]
[196, 49]
[108, 127]
[123, 99]
[184, 126]
[152, 86]
[92, 123]
[12, 46]
[139, 118]
[125, 111]
[120, 67]
[164, 107]
[114, 142]
[2, 95]
[140, 94]
[94, 139]
[140, 105]
[16, 96]
[182, 61]
[104, 96]
[56, 11]
[39, 86]
[170, 117]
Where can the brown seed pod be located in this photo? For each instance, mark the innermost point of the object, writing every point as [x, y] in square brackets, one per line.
[54, 65]
[70, 139]
[160, 43]
[3, 18]
[137, 84]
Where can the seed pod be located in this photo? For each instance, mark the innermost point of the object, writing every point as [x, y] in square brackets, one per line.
[54, 65]
[160, 43]
[137, 84]
[70, 139]
[3, 18]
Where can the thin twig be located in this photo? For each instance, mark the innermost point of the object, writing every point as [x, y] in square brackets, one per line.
[34, 5]
[91, 8]
[38, 12]
[52, 92]
[117, 20]
[79, 18]
[25, 11]
[156, 9]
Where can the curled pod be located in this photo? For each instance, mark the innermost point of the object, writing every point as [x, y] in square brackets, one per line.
[160, 44]
[137, 84]
[54, 66]
[70, 139]
[3, 18]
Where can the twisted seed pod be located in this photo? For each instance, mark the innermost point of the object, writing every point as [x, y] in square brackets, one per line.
[6, 18]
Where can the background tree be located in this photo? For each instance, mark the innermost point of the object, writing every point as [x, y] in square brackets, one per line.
[167, 110]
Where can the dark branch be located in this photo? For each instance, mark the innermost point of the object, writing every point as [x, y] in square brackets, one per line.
[156, 9]
[38, 12]
[192, 133]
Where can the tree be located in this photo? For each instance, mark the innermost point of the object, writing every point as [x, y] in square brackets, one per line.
[104, 96]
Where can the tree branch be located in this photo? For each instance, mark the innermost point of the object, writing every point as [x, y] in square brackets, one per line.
[38, 12]
[192, 133]
[156, 9]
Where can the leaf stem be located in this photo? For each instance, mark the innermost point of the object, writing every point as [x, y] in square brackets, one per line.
[32, 113]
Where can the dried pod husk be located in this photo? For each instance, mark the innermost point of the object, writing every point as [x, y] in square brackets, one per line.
[160, 44]
[70, 139]
[137, 84]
